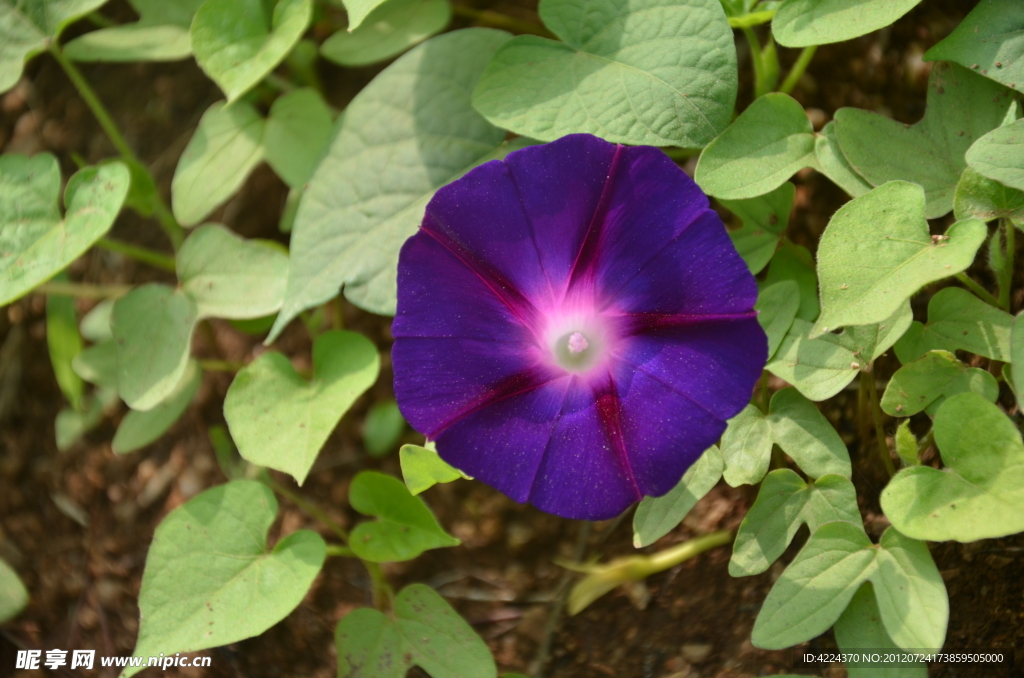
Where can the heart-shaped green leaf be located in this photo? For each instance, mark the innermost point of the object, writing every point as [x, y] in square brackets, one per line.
[160, 34]
[387, 31]
[834, 165]
[989, 40]
[980, 494]
[230, 277]
[26, 28]
[784, 503]
[226, 147]
[776, 307]
[383, 426]
[139, 429]
[280, 420]
[35, 242]
[423, 468]
[239, 42]
[860, 628]
[404, 528]
[926, 382]
[297, 131]
[801, 23]
[152, 328]
[424, 631]
[657, 516]
[359, 10]
[13, 594]
[795, 425]
[405, 135]
[210, 579]
[821, 367]
[962, 107]
[818, 585]
[985, 199]
[958, 320]
[765, 219]
[999, 155]
[638, 72]
[877, 252]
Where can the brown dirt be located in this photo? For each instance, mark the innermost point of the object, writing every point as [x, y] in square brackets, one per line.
[692, 621]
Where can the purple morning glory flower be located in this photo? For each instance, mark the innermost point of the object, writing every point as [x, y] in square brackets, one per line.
[574, 325]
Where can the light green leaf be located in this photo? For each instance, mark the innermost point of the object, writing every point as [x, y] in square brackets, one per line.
[806, 435]
[95, 326]
[406, 134]
[985, 199]
[801, 23]
[35, 242]
[657, 516]
[958, 320]
[746, 447]
[424, 631]
[999, 155]
[26, 28]
[822, 367]
[989, 40]
[404, 528]
[226, 147]
[776, 307]
[152, 328]
[980, 493]
[210, 579]
[638, 72]
[936, 376]
[98, 364]
[784, 503]
[13, 594]
[834, 165]
[961, 108]
[794, 262]
[280, 420]
[388, 31]
[877, 252]
[383, 426]
[860, 628]
[1017, 355]
[296, 133]
[767, 144]
[239, 42]
[906, 444]
[765, 219]
[64, 343]
[139, 429]
[422, 468]
[359, 10]
[818, 585]
[230, 277]
[160, 34]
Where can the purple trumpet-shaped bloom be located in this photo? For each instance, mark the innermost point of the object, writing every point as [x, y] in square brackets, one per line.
[574, 325]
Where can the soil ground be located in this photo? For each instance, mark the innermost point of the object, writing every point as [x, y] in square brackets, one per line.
[77, 525]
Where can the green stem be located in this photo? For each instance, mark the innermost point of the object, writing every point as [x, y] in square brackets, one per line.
[146, 256]
[795, 73]
[221, 365]
[163, 214]
[83, 290]
[340, 551]
[978, 290]
[502, 21]
[383, 594]
[670, 557]
[752, 19]
[876, 411]
[1006, 282]
[756, 59]
[309, 509]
